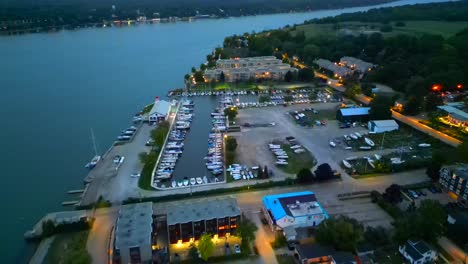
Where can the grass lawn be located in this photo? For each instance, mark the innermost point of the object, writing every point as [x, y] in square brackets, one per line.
[297, 161]
[147, 108]
[69, 248]
[388, 255]
[444, 28]
[285, 259]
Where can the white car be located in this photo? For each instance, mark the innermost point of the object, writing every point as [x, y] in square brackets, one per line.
[237, 249]
[135, 175]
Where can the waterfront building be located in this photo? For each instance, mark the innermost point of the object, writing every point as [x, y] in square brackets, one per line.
[456, 116]
[353, 114]
[243, 69]
[455, 181]
[288, 211]
[381, 126]
[133, 234]
[188, 221]
[356, 64]
[159, 111]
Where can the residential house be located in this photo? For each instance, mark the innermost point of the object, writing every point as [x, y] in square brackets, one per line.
[418, 252]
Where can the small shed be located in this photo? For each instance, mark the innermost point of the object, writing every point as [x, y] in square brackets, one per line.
[381, 126]
[353, 114]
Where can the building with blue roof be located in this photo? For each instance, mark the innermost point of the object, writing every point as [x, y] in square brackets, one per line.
[353, 114]
[292, 210]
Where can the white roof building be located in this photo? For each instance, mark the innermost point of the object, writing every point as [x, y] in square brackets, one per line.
[160, 110]
[381, 126]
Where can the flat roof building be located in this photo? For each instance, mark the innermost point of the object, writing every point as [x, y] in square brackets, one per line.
[159, 111]
[418, 252]
[457, 115]
[356, 64]
[133, 234]
[299, 209]
[353, 114]
[188, 221]
[337, 70]
[317, 254]
[243, 69]
[381, 126]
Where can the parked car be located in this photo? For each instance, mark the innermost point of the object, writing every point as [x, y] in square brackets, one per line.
[237, 249]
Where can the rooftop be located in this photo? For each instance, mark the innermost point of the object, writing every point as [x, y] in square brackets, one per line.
[384, 123]
[455, 110]
[360, 65]
[461, 171]
[292, 204]
[204, 209]
[351, 111]
[416, 249]
[160, 107]
[312, 251]
[335, 68]
[247, 59]
[134, 225]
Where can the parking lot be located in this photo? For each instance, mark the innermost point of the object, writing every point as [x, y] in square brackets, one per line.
[419, 195]
[253, 142]
[114, 182]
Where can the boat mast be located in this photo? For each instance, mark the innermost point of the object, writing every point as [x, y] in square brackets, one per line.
[94, 142]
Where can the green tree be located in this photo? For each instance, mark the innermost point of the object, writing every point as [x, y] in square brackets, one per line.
[462, 150]
[186, 76]
[193, 254]
[377, 236]
[433, 171]
[312, 96]
[353, 90]
[342, 233]
[413, 106]
[306, 75]
[288, 98]
[264, 98]
[202, 67]
[431, 102]
[305, 176]
[323, 172]
[222, 78]
[231, 113]
[194, 69]
[386, 28]
[288, 76]
[380, 108]
[246, 231]
[198, 75]
[206, 246]
[231, 144]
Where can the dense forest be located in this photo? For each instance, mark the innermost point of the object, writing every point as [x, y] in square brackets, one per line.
[409, 63]
[54, 13]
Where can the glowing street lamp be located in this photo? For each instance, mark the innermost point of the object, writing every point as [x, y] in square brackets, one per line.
[436, 88]
[459, 86]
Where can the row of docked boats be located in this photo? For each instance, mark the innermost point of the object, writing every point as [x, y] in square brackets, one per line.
[217, 93]
[238, 172]
[127, 134]
[175, 143]
[214, 158]
[190, 182]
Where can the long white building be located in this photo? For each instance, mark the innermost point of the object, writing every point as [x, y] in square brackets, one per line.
[243, 69]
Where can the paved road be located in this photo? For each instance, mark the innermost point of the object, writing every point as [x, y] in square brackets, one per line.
[457, 253]
[413, 122]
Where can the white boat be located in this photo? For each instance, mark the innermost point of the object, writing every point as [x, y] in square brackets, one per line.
[347, 164]
[346, 137]
[353, 136]
[174, 184]
[281, 163]
[365, 148]
[180, 183]
[371, 163]
[295, 146]
[186, 182]
[377, 156]
[283, 157]
[93, 162]
[424, 145]
[205, 179]
[397, 161]
[299, 151]
[199, 180]
[369, 141]
[358, 134]
[332, 144]
[193, 181]
[251, 175]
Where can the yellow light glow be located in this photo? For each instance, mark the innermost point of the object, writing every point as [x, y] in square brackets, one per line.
[179, 242]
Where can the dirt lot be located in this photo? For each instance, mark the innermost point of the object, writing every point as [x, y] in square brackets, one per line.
[253, 142]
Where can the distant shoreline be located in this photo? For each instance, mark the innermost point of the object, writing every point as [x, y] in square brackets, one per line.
[27, 26]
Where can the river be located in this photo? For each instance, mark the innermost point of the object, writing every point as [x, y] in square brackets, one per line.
[57, 86]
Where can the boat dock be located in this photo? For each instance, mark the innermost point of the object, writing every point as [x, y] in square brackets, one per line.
[68, 203]
[75, 191]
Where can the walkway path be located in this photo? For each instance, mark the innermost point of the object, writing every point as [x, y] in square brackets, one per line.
[41, 251]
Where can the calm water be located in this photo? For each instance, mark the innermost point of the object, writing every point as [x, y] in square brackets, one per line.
[55, 87]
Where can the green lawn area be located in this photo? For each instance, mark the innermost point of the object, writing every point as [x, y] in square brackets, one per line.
[444, 28]
[285, 259]
[69, 248]
[297, 161]
[224, 86]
